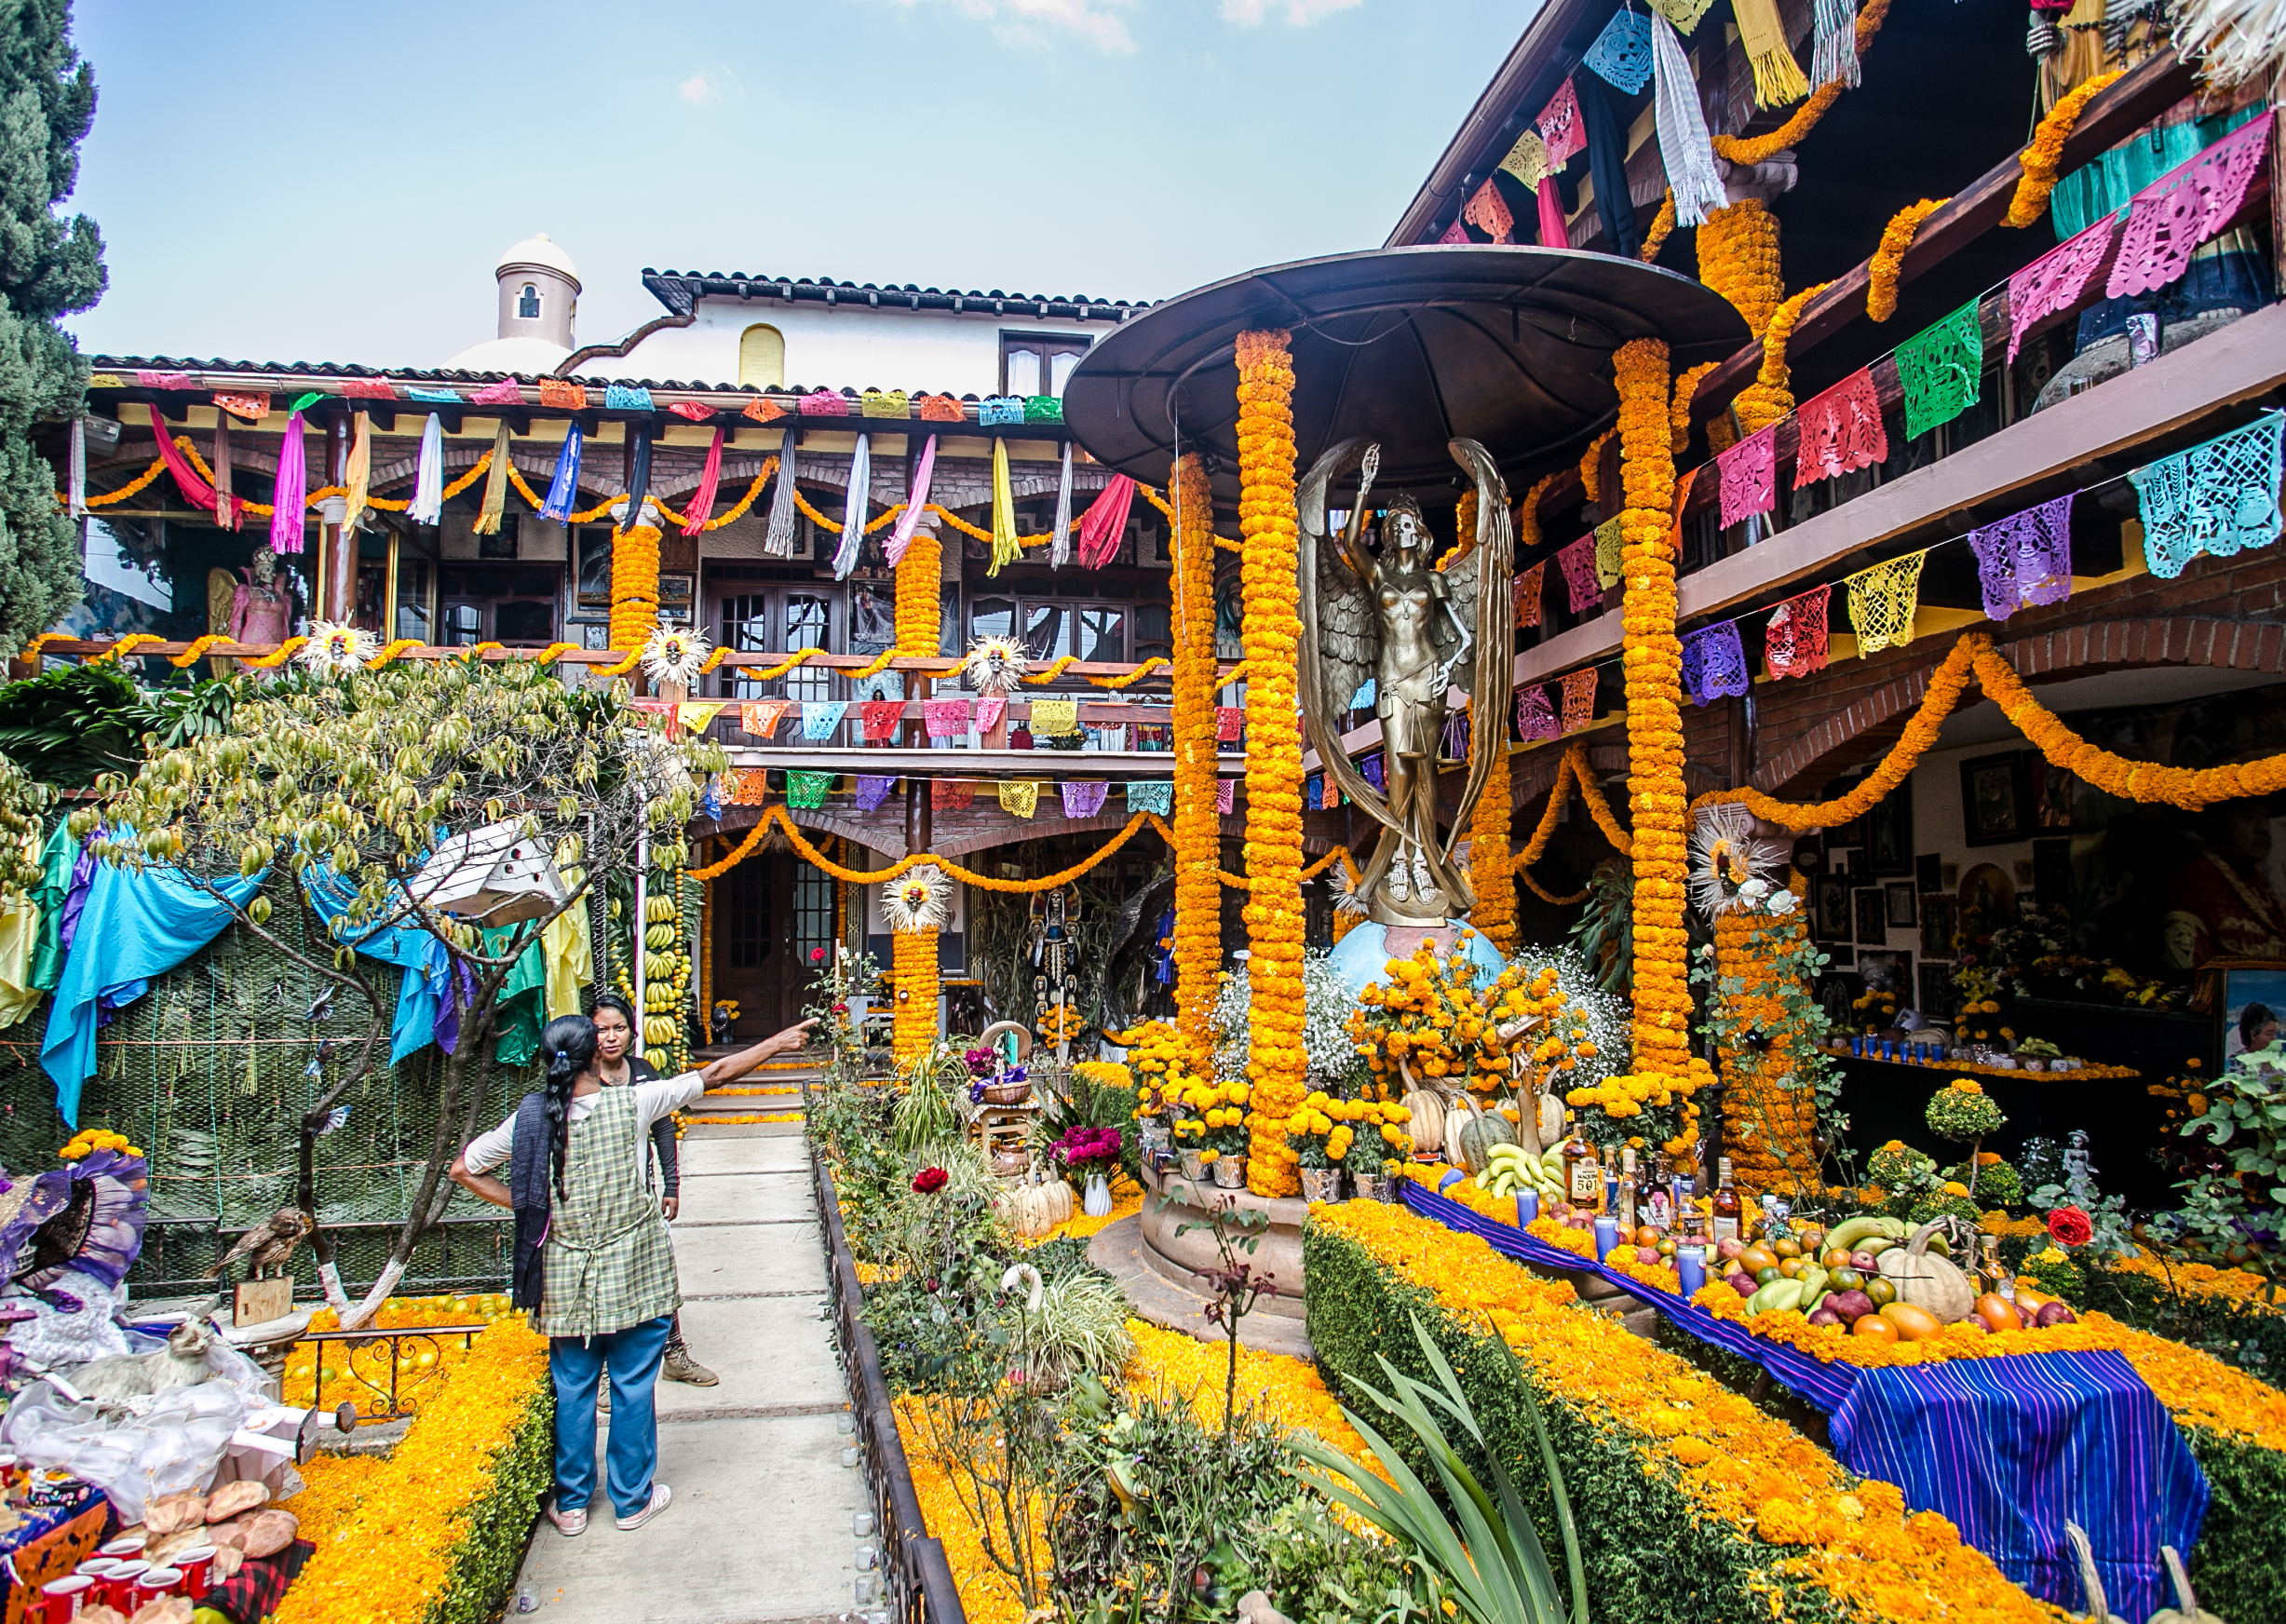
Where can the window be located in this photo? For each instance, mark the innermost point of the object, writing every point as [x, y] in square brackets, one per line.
[496, 606]
[1053, 625]
[812, 912]
[778, 622]
[745, 900]
[1038, 363]
[762, 358]
[528, 303]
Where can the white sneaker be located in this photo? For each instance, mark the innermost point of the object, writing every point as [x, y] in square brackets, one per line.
[570, 1524]
[661, 1497]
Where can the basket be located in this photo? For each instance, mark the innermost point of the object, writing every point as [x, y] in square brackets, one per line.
[1006, 1093]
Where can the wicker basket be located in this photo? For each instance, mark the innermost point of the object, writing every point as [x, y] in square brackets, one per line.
[1006, 1093]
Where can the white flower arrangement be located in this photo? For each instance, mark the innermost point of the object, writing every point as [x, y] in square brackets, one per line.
[334, 650]
[1326, 1004]
[920, 898]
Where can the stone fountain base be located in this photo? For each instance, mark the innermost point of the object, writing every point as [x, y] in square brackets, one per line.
[1170, 1201]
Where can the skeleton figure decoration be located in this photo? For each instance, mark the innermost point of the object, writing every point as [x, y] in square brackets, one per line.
[1417, 630]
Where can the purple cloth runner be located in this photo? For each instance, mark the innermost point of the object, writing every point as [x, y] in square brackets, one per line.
[2006, 1448]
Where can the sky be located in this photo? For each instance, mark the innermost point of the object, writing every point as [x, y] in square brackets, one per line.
[292, 183]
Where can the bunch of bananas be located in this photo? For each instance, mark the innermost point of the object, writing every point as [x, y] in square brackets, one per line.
[1512, 1167]
[666, 969]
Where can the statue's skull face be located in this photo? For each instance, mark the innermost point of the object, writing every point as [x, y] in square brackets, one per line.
[1402, 530]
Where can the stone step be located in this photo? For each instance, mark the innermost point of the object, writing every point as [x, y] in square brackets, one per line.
[1118, 1249]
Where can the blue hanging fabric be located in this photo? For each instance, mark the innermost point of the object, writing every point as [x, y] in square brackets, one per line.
[135, 926]
[564, 489]
[1621, 54]
[853, 509]
[427, 963]
[778, 541]
[2217, 498]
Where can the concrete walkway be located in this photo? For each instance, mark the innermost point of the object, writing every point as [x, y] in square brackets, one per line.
[761, 1528]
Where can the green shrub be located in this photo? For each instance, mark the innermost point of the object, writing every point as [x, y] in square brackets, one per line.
[485, 1561]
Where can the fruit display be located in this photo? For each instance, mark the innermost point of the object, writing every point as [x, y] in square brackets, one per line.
[1510, 1167]
[667, 972]
[1874, 1276]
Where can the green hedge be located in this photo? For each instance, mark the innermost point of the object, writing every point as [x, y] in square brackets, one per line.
[2239, 1567]
[1648, 1558]
[484, 1564]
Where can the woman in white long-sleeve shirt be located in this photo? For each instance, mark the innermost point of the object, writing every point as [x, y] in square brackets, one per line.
[593, 1262]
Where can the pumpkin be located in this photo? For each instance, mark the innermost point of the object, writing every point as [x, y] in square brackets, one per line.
[1925, 1280]
[2186, 1609]
[1484, 1131]
[1426, 1111]
[1551, 1120]
[1032, 1209]
[1463, 1134]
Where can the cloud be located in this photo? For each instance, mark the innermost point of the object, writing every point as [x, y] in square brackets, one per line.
[1033, 22]
[1300, 13]
[699, 90]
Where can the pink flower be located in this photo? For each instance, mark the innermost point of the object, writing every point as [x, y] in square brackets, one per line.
[2070, 1226]
[928, 1181]
[817, 955]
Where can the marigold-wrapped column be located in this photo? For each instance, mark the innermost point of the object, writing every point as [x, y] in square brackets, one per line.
[1271, 545]
[1198, 893]
[634, 586]
[919, 619]
[1490, 871]
[913, 971]
[1767, 1125]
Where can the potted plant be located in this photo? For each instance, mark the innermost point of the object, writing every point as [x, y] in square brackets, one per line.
[1090, 1155]
[1211, 1132]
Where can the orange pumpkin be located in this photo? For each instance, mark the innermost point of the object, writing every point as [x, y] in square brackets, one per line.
[1914, 1323]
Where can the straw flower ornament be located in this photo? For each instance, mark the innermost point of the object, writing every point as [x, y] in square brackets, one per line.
[335, 650]
[1731, 865]
[672, 655]
[921, 898]
[995, 665]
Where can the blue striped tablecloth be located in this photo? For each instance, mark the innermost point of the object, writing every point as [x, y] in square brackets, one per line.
[2008, 1449]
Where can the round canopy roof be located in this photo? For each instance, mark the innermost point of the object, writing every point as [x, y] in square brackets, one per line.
[1408, 346]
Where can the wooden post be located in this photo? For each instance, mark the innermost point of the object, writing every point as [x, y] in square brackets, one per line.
[337, 545]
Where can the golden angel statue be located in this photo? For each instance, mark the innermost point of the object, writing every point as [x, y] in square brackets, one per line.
[1418, 628]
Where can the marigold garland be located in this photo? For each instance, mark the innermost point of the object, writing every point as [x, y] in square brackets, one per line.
[1739, 258]
[1769, 396]
[1889, 259]
[1663, 223]
[634, 585]
[919, 615]
[1196, 838]
[1755, 150]
[914, 974]
[1768, 1123]
[1528, 513]
[1270, 536]
[1490, 870]
[1687, 390]
[778, 816]
[1592, 465]
[2044, 158]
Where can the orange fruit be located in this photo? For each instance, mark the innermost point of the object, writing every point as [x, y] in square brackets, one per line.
[1914, 1323]
[1646, 1236]
[1876, 1327]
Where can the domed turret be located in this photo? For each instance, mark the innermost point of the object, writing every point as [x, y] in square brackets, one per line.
[539, 297]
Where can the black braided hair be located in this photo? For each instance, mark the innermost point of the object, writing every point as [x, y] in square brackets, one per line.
[567, 1047]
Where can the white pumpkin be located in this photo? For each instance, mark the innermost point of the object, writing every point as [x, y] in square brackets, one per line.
[1032, 1209]
[1426, 1111]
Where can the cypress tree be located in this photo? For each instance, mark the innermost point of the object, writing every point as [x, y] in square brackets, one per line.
[49, 267]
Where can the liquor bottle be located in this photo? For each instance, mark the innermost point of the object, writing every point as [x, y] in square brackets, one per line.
[1660, 1207]
[1725, 1203]
[1582, 1173]
[1991, 1276]
[1683, 1183]
[1630, 1195]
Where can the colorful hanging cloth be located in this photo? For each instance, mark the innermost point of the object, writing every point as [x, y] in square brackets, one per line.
[777, 539]
[563, 395]
[946, 718]
[227, 515]
[1084, 797]
[427, 504]
[564, 489]
[1488, 211]
[1229, 723]
[1060, 532]
[1055, 718]
[1578, 699]
[854, 505]
[821, 719]
[1560, 127]
[916, 504]
[2052, 283]
[1314, 792]
[2170, 218]
[1607, 153]
[1152, 795]
[873, 790]
[1833, 54]
[1883, 600]
[709, 481]
[1841, 431]
[2026, 559]
[1794, 639]
[1607, 548]
[951, 794]
[253, 408]
[1536, 717]
[807, 789]
[989, 709]
[1578, 562]
[507, 392]
[1747, 477]
[1621, 54]
[196, 491]
[1019, 798]
[1103, 526]
[1529, 590]
[1007, 550]
[496, 504]
[358, 475]
[881, 717]
[2217, 498]
[1777, 77]
[1941, 369]
[1685, 146]
[759, 718]
[76, 471]
[1225, 793]
[1554, 233]
[1714, 663]
[290, 493]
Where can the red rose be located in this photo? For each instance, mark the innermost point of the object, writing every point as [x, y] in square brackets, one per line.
[817, 955]
[2070, 1226]
[928, 1181]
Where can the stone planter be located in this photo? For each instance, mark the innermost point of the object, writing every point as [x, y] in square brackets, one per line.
[1174, 1201]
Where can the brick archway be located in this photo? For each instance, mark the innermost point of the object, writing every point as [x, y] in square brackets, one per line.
[2085, 649]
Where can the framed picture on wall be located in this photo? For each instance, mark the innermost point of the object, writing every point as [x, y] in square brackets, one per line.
[2253, 1006]
[1995, 800]
[1900, 909]
[1873, 917]
[1840, 958]
[1888, 834]
[1941, 922]
[1885, 971]
[1830, 907]
[1929, 872]
[1937, 992]
[2051, 794]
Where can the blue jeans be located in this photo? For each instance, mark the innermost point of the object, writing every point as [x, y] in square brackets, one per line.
[576, 1363]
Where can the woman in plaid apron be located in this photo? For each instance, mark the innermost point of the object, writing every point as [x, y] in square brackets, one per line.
[593, 1262]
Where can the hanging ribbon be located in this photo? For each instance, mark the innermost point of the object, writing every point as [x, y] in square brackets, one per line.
[76, 476]
[564, 489]
[1834, 54]
[778, 541]
[1007, 550]
[427, 504]
[496, 504]
[853, 507]
[1554, 233]
[1794, 639]
[1883, 601]
[917, 503]
[709, 481]
[1777, 77]
[1685, 146]
[1060, 544]
[1103, 525]
[289, 490]
[196, 491]
[359, 477]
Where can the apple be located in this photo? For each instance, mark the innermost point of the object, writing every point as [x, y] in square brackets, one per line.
[1646, 1255]
[1865, 1263]
[1730, 1246]
[2053, 1313]
[1561, 1210]
[1852, 1305]
[1743, 1283]
[1824, 1315]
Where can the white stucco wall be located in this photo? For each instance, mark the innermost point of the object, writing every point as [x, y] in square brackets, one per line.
[849, 345]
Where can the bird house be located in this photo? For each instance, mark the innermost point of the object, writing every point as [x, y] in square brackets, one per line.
[494, 875]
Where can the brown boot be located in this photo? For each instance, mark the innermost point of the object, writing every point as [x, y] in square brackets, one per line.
[679, 1366]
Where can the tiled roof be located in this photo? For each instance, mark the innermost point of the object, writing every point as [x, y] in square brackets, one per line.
[679, 290]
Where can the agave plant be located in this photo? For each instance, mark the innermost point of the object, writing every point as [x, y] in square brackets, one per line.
[1492, 1567]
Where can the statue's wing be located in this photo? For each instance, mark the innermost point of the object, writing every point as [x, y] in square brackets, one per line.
[1340, 635]
[1481, 582]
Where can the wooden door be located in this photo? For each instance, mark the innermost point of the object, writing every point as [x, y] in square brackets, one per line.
[773, 914]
